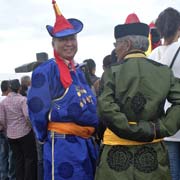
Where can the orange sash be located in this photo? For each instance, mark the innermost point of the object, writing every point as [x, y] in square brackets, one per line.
[71, 128]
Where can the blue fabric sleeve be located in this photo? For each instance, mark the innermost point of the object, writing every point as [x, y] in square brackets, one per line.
[39, 102]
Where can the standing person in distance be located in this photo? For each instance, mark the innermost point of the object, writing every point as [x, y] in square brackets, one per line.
[168, 25]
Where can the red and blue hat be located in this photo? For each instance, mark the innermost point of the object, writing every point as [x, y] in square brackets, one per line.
[63, 27]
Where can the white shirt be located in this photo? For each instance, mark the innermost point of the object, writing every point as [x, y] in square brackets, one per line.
[164, 55]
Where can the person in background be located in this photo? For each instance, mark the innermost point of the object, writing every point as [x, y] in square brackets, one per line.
[14, 117]
[85, 70]
[91, 69]
[25, 84]
[154, 36]
[4, 89]
[131, 107]
[168, 25]
[113, 56]
[62, 107]
[7, 168]
[107, 62]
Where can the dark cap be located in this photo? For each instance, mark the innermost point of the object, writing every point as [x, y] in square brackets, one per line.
[131, 29]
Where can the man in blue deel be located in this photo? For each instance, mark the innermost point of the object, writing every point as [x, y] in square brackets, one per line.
[62, 107]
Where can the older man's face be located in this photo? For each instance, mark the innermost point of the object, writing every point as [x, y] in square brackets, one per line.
[66, 47]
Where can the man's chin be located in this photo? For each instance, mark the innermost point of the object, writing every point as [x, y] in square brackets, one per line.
[70, 57]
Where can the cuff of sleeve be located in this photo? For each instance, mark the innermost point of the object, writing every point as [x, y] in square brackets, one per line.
[157, 130]
[153, 131]
[41, 142]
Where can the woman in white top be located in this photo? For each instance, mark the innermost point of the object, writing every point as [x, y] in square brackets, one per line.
[168, 25]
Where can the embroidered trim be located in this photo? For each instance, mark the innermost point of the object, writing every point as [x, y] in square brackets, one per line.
[135, 55]
[54, 100]
[66, 170]
[145, 159]
[138, 102]
[38, 80]
[119, 158]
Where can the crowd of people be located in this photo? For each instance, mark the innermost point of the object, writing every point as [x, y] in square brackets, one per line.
[64, 122]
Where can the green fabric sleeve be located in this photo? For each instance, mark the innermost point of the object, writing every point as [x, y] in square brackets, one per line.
[116, 121]
[170, 123]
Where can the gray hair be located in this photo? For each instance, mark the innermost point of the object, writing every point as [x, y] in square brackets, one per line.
[138, 42]
[25, 80]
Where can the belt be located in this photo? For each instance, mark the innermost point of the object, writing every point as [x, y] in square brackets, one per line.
[112, 139]
[71, 128]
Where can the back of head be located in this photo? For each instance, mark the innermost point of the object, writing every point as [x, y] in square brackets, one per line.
[25, 83]
[4, 86]
[25, 80]
[168, 22]
[113, 56]
[14, 85]
[91, 65]
[107, 61]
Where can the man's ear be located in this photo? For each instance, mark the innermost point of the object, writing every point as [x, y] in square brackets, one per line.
[53, 39]
[128, 44]
[52, 43]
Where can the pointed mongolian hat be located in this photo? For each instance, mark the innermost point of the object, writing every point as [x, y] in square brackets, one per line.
[63, 27]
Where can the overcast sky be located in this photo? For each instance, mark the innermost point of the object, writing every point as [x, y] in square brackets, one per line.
[23, 32]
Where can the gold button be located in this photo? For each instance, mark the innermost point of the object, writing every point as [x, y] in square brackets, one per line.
[79, 94]
[81, 104]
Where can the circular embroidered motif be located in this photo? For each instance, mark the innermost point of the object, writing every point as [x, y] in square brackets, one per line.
[35, 104]
[138, 102]
[145, 160]
[119, 158]
[87, 167]
[71, 139]
[66, 170]
[38, 80]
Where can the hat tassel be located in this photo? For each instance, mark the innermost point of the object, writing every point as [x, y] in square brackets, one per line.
[56, 8]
